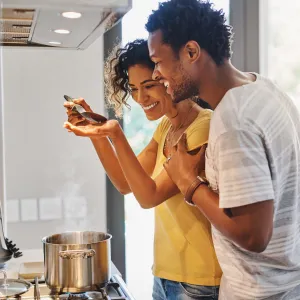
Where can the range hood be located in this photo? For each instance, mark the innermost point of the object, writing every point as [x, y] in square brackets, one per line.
[60, 24]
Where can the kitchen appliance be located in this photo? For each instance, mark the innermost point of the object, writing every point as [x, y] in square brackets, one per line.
[115, 289]
[77, 261]
[69, 24]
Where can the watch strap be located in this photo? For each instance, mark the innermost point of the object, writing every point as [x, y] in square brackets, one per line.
[192, 188]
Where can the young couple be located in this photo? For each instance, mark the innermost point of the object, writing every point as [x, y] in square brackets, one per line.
[242, 217]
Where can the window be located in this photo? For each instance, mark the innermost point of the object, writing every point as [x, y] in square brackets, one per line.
[280, 45]
[139, 223]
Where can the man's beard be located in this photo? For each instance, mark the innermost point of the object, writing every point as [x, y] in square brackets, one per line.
[186, 89]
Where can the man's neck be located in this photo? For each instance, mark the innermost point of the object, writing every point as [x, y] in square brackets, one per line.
[218, 80]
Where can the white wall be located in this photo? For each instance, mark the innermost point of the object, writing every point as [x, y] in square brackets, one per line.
[54, 181]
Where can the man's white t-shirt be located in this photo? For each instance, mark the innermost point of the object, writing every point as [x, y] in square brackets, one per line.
[253, 155]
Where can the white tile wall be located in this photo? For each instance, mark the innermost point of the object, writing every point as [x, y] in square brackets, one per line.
[12, 210]
[51, 163]
[50, 209]
[75, 207]
[29, 209]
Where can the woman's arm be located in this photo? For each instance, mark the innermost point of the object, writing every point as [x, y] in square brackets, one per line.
[148, 192]
[136, 171]
[110, 162]
[106, 152]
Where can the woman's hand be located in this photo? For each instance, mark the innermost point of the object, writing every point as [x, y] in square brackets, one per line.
[82, 127]
[73, 117]
[110, 129]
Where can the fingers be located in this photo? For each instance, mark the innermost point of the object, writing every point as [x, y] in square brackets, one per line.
[75, 118]
[173, 150]
[80, 131]
[84, 122]
[200, 155]
[69, 110]
[165, 165]
[201, 158]
[81, 101]
[87, 130]
[182, 143]
[68, 104]
[202, 150]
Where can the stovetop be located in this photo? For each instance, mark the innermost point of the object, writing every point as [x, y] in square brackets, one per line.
[116, 289]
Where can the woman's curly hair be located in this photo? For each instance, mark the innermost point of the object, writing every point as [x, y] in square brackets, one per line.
[117, 89]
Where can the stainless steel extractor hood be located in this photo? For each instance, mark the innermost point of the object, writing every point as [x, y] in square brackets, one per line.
[69, 24]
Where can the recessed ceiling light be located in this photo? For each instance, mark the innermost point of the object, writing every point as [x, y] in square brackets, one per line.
[71, 14]
[62, 31]
[55, 43]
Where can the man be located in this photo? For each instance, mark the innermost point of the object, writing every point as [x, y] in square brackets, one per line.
[252, 161]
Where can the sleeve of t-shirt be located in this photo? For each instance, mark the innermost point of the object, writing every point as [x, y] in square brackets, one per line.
[243, 169]
[197, 134]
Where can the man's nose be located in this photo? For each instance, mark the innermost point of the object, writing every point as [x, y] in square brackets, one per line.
[156, 74]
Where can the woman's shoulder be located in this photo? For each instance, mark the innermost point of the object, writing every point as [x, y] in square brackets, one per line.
[203, 119]
[204, 114]
[198, 132]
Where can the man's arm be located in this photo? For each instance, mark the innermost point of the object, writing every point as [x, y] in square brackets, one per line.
[249, 226]
[243, 210]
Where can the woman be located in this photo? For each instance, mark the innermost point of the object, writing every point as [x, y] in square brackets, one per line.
[185, 265]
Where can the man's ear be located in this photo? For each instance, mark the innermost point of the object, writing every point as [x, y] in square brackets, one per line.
[193, 50]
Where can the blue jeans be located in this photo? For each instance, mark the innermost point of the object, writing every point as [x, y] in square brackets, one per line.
[164, 289]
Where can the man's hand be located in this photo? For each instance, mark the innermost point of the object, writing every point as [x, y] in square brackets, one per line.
[183, 167]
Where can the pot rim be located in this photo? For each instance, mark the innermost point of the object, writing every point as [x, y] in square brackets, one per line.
[108, 237]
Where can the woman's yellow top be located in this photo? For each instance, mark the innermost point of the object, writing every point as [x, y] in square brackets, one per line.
[183, 247]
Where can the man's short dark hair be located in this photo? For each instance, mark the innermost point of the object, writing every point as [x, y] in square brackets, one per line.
[184, 20]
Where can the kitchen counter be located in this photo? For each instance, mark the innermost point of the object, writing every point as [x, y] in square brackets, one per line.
[35, 255]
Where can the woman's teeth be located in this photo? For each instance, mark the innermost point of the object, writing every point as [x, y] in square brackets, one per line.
[166, 84]
[150, 106]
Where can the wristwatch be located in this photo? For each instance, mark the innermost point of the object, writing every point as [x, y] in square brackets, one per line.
[192, 188]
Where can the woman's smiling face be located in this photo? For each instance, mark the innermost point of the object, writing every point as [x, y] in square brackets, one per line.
[149, 93]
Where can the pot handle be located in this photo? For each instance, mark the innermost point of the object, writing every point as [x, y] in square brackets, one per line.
[72, 254]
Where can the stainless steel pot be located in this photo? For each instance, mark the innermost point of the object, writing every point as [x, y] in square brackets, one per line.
[77, 261]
